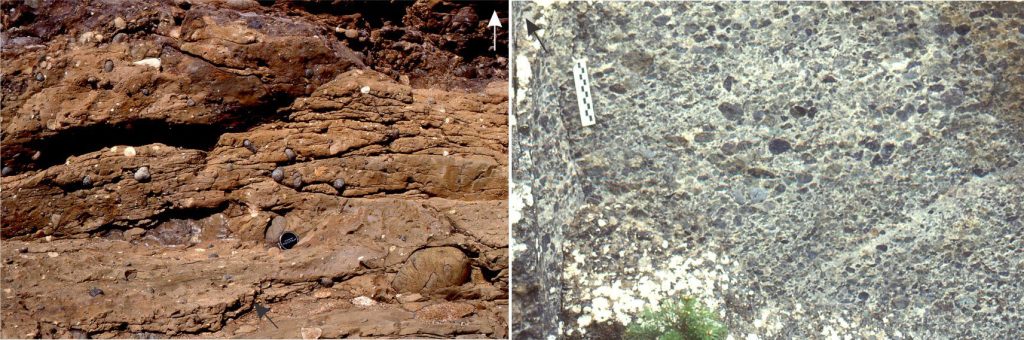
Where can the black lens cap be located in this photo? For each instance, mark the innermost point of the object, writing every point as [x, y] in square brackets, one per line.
[288, 240]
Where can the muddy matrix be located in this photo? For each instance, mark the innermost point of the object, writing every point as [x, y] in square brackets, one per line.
[254, 169]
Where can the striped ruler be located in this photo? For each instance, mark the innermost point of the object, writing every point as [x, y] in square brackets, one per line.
[583, 97]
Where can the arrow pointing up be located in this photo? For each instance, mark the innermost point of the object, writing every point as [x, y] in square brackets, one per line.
[531, 29]
[495, 22]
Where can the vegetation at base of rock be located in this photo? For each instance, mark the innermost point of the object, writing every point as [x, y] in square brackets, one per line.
[682, 319]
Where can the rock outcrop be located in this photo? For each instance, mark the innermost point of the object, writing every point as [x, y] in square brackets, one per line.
[147, 148]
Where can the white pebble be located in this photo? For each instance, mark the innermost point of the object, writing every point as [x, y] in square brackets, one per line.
[365, 89]
[151, 62]
[363, 301]
[129, 152]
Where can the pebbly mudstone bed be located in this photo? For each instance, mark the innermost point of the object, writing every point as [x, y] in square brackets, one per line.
[155, 152]
[817, 170]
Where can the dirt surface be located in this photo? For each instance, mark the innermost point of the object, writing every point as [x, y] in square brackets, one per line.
[154, 153]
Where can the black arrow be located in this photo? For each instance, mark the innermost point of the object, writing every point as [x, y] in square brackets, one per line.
[531, 29]
[261, 311]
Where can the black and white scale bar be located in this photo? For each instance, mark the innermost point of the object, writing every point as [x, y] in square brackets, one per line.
[583, 97]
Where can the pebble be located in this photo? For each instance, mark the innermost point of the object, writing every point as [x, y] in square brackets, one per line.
[309, 73]
[277, 174]
[120, 37]
[962, 29]
[145, 92]
[248, 145]
[758, 194]
[134, 233]
[94, 292]
[142, 175]
[777, 146]
[213, 256]
[108, 66]
[86, 181]
[290, 154]
[351, 33]
[326, 282]
[52, 254]
[407, 298]
[297, 181]
[129, 152]
[119, 23]
[311, 333]
[35, 156]
[151, 62]
[6, 171]
[339, 184]
[23, 250]
[191, 102]
[364, 90]
[363, 301]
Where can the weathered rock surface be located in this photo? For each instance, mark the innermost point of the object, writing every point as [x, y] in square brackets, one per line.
[430, 269]
[807, 170]
[178, 112]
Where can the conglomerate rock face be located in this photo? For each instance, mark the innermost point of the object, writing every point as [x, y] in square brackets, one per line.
[806, 170]
[154, 152]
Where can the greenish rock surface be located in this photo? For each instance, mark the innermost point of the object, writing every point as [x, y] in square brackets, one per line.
[806, 170]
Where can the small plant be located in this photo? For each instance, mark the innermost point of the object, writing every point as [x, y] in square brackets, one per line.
[683, 319]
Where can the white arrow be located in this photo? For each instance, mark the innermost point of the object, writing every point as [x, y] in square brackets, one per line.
[495, 22]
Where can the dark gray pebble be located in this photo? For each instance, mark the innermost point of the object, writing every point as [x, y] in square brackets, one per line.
[40, 77]
[86, 181]
[290, 154]
[297, 181]
[339, 184]
[6, 171]
[214, 255]
[326, 282]
[108, 66]
[777, 146]
[731, 111]
[191, 102]
[94, 292]
[962, 29]
[248, 145]
[228, 277]
[277, 174]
